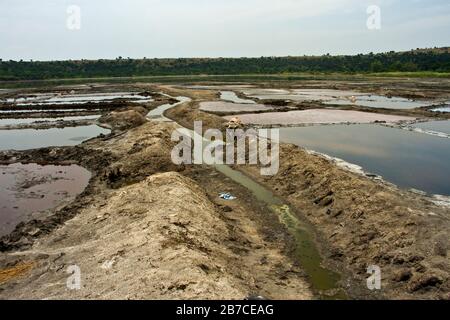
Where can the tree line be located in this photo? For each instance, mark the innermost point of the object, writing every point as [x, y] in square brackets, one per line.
[411, 61]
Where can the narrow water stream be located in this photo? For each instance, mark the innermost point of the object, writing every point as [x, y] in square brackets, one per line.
[324, 282]
[158, 113]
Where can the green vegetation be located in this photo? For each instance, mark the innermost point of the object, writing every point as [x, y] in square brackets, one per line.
[418, 62]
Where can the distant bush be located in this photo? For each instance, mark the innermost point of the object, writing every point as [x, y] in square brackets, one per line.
[412, 61]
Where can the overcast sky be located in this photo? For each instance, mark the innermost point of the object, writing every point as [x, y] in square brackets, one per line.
[31, 29]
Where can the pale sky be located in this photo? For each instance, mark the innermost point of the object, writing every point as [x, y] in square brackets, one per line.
[32, 29]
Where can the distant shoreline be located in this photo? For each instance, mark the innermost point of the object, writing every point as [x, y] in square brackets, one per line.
[7, 84]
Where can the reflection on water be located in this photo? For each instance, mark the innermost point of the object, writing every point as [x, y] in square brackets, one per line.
[407, 159]
[438, 126]
[32, 139]
[31, 188]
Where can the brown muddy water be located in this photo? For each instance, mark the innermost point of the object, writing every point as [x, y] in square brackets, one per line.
[26, 190]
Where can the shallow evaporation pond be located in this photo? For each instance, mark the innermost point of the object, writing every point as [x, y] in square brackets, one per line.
[79, 99]
[437, 126]
[218, 87]
[407, 159]
[26, 190]
[223, 107]
[233, 97]
[337, 97]
[24, 139]
[20, 121]
[299, 94]
[49, 110]
[376, 101]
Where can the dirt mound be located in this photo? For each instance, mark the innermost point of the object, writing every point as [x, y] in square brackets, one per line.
[114, 161]
[143, 111]
[124, 120]
[140, 152]
[157, 239]
[187, 113]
